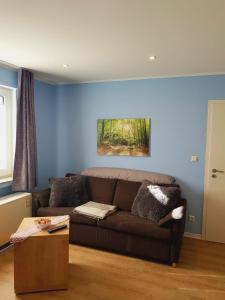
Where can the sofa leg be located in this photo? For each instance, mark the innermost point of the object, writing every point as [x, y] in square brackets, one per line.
[174, 265]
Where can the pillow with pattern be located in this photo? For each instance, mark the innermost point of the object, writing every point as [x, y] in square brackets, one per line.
[153, 202]
[68, 191]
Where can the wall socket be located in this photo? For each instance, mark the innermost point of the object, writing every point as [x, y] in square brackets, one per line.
[194, 158]
[191, 219]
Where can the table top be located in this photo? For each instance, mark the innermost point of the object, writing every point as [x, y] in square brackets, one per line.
[28, 222]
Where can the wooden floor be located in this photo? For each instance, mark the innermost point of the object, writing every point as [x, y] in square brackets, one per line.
[101, 275]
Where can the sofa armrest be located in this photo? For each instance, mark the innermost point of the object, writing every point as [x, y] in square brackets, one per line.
[178, 227]
[40, 199]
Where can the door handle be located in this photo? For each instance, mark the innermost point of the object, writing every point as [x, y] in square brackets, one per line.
[217, 171]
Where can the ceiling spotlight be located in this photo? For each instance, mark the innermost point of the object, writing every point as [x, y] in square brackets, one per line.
[65, 66]
[152, 57]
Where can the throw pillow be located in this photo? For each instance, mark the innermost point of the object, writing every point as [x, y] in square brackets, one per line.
[176, 214]
[68, 191]
[154, 201]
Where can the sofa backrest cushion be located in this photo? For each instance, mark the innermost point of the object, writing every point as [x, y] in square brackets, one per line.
[101, 189]
[128, 174]
[125, 193]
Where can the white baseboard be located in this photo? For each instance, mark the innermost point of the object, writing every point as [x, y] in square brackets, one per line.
[193, 235]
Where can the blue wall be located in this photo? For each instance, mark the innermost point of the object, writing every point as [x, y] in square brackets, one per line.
[178, 111]
[5, 189]
[8, 77]
[46, 119]
[66, 120]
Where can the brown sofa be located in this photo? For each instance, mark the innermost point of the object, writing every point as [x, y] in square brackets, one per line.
[120, 232]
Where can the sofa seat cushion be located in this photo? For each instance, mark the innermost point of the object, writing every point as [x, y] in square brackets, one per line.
[81, 219]
[125, 193]
[101, 189]
[123, 221]
[59, 211]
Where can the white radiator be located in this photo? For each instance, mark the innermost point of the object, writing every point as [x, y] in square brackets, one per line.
[13, 208]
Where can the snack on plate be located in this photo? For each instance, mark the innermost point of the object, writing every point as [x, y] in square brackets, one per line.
[43, 223]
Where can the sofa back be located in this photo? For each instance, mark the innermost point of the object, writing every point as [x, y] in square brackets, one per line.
[128, 174]
[101, 189]
[119, 186]
[125, 193]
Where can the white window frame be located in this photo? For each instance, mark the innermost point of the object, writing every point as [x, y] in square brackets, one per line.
[10, 102]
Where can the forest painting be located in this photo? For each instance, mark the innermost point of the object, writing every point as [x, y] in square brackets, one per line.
[123, 137]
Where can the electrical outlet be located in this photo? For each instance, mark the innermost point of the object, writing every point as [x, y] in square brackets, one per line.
[28, 203]
[191, 218]
[194, 158]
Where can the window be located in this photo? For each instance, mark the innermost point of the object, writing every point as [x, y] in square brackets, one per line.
[7, 131]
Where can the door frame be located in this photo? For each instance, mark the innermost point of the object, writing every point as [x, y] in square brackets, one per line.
[207, 156]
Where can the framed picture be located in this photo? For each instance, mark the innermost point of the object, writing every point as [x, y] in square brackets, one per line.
[128, 137]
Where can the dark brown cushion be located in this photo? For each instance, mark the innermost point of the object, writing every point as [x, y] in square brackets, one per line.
[101, 189]
[123, 221]
[54, 211]
[68, 191]
[81, 219]
[154, 202]
[125, 193]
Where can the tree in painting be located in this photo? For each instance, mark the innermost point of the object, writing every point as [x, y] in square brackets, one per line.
[123, 137]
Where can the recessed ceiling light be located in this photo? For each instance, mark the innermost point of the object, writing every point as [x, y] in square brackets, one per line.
[152, 57]
[65, 66]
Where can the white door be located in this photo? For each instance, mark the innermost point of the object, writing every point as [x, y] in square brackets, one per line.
[214, 214]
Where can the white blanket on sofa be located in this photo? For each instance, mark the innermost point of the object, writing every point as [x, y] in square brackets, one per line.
[95, 210]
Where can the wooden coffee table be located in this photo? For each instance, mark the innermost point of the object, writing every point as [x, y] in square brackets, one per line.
[41, 261]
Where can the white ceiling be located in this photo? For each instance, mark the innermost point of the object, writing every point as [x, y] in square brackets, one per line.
[112, 39]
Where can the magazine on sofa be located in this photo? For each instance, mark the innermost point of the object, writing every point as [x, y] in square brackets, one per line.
[95, 210]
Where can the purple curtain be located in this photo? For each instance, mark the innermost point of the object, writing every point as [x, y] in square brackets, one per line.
[25, 163]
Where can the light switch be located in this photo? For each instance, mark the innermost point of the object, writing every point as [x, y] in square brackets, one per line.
[194, 158]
